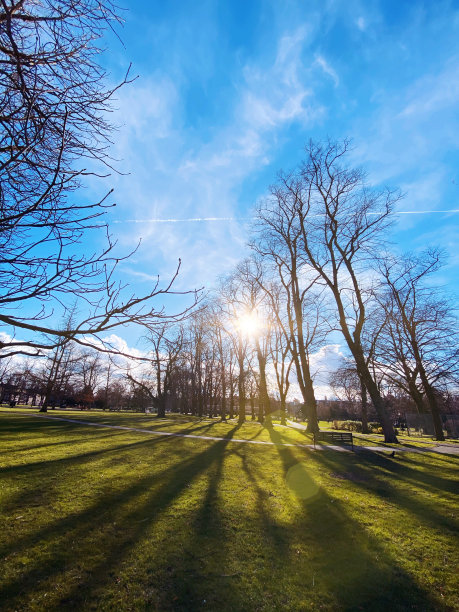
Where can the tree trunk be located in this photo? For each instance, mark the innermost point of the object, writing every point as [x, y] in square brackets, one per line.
[283, 411]
[161, 410]
[261, 413]
[311, 407]
[223, 402]
[241, 383]
[417, 397]
[241, 392]
[364, 398]
[378, 402]
[264, 398]
[366, 379]
[429, 391]
[433, 405]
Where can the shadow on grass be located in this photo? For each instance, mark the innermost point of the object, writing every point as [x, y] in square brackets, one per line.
[200, 561]
[77, 458]
[76, 441]
[387, 479]
[353, 566]
[159, 537]
[102, 534]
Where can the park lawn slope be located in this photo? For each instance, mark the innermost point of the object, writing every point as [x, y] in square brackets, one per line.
[101, 519]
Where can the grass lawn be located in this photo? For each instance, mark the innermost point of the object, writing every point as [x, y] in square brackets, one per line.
[100, 519]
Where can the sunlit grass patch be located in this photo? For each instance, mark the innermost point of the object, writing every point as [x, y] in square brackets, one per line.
[94, 518]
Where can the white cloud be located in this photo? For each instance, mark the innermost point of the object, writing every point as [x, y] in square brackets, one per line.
[178, 174]
[325, 66]
[409, 131]
[361, 24]
[323, 363]
[433, 93]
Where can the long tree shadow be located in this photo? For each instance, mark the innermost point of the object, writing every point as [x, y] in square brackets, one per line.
[402, 468]
[382, 477]
[126, 518]
[79, 458]
[67, 442]
[134, 509]
[196, 563]
[46, 488]
[355, 568]
[276, 536]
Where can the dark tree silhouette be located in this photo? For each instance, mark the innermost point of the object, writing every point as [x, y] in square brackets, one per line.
[421, 337]
[54, 131]
[337, 223]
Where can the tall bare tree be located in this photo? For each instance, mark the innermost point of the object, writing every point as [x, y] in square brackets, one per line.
[278, 242]
[280, 348]
[337, 223]
[155, 380]
[253, 302]
[235, 302]
[422, 334]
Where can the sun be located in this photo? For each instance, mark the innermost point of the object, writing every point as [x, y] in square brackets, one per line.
[249, 324]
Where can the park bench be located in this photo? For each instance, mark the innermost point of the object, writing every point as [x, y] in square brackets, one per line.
[340, 437]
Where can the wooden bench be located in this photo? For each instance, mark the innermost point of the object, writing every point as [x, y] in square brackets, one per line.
[340, 437]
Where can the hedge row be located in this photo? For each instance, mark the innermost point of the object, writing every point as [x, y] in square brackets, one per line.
[356, 426]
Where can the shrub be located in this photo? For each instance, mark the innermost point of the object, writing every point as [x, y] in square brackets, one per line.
[348, 425]
[375, 427]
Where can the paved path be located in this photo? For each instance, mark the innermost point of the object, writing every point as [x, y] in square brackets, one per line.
[165, 433]
[448, 450]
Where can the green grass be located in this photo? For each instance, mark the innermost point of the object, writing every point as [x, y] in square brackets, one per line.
[378, 440]
[100, 519]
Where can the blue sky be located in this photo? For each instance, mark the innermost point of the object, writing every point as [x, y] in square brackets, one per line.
[228, 94]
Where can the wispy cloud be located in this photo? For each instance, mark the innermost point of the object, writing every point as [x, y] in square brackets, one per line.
[433, 92]
[325, 66]
[361, 24]
[180, 180]
[198, 161]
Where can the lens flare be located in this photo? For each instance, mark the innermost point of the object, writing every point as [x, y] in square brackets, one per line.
[300, 483]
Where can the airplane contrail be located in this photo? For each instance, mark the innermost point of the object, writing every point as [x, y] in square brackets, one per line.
[189, 220]
[424, 212]
[203, 219]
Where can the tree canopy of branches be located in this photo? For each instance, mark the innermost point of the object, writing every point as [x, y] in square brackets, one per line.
[419, 345]
[54, 131]
[334, 222]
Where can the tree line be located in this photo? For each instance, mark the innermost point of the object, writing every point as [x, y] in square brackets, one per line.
[319, 266]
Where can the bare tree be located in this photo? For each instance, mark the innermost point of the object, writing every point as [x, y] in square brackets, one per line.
[155, 381]
[222, 343]
[280, 349]
[89, 368]
[347, 385]
[278, 242]
[337, 223]
[57, 372]
[249, 326]
[54, 104]
[251, 297]
[421, 334]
